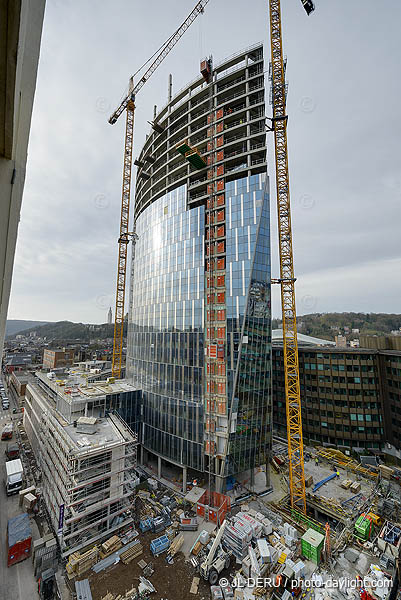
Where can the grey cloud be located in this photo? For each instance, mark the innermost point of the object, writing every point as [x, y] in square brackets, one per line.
[343, 145]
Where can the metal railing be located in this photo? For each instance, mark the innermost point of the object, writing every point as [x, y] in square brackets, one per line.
[258, 100]
[199, 113]
[236, 168]
[235, 152]
[178, 127]
[236, 95]
[193, 129]
[197, 181]
[257, 161]
[224, 86]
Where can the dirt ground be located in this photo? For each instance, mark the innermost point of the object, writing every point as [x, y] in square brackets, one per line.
[172, 582]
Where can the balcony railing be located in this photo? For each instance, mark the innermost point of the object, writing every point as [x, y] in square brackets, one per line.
[197, 181]
[196, 127]
[197, 101]
[256, 100]
[243, 165]
[224, 86]
[199, 113]
[196, 195]
[235, 152]
[228, 98]
[257, 161]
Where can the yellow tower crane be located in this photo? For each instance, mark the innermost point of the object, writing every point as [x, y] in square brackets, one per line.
[128, 104]
[287, 279]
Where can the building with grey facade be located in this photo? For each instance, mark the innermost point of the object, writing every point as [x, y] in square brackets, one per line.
[199, 332]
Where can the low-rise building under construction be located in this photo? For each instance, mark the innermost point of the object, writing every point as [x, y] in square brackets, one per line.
[87, 454]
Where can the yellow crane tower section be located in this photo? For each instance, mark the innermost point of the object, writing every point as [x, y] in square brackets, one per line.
[128, 104]
[287, 279]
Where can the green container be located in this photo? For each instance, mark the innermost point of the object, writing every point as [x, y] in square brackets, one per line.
[363, 528]
[312, 545]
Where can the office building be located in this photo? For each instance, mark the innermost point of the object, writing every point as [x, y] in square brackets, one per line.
[199, 331]
[351, 397]
[54, 359]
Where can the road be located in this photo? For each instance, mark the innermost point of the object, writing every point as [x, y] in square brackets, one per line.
[16, 582]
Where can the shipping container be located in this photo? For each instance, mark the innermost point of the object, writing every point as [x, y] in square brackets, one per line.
[19, 539]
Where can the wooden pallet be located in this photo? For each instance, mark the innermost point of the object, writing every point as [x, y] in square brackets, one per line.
[129, 555]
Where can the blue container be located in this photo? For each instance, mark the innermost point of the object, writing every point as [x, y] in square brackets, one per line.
[159, 545]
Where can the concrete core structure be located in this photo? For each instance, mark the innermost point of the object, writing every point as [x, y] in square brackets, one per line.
[20, 35]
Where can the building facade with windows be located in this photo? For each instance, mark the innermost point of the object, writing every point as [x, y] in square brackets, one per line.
[199, 332]
[351, 397]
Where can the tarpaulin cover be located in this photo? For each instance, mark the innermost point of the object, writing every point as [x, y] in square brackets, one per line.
[19, 528]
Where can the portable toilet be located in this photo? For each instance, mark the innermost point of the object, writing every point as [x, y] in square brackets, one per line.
[311, 545]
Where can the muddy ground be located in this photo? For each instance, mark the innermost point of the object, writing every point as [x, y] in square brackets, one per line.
[172, 582]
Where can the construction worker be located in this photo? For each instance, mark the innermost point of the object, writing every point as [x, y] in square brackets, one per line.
[317, 460]
[338, 473]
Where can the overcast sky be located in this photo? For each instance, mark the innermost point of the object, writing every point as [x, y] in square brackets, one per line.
[344, 145]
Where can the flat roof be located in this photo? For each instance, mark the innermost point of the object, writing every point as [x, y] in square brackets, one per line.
[105, 433]
[195, 494]
[303, 340]
[75, 386]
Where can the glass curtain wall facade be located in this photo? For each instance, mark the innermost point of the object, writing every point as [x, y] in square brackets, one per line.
[165, 343]
[168, 316]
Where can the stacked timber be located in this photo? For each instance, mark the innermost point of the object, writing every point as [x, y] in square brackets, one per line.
[80, 563]
[133, 552]
[109, 546]
[176, 544]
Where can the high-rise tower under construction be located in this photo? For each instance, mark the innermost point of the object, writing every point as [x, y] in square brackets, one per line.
[199, 335]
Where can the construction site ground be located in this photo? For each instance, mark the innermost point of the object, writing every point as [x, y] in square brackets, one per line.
[170, 581]
[333, 489]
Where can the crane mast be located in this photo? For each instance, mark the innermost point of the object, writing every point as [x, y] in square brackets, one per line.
[287, 279]
[128, 104]
[123, 242]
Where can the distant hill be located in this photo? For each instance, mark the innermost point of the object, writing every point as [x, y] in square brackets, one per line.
[80, 332]
[322, 324]
[14, 326]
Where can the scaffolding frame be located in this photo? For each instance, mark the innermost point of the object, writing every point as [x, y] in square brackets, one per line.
[61, 461]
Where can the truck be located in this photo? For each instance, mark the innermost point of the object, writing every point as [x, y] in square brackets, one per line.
[19, 539]
[7, 432]
[13, 478]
